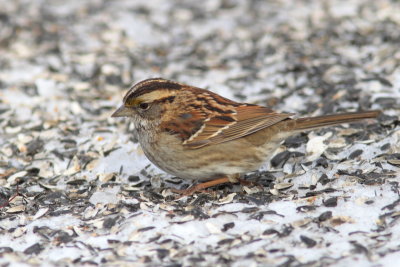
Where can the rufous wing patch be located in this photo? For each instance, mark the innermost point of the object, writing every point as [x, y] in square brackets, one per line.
[212, 119]
[212, 127]
[247, 120]
[185, 125]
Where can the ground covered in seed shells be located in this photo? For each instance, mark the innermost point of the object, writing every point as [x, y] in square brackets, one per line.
[75, 187]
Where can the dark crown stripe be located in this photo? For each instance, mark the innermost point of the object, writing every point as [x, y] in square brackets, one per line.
[150, 85]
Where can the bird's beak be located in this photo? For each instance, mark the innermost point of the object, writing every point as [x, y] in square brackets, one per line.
[122, 111]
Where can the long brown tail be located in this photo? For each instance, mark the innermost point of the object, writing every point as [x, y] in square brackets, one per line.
[329, 120]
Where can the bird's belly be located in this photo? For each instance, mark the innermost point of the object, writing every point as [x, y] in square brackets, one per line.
[208, 162]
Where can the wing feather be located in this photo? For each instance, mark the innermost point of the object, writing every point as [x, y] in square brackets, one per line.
[247, 120]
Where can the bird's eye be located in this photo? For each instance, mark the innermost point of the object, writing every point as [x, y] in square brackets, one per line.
[144, 106]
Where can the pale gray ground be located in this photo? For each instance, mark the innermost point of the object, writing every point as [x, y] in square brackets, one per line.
[86, 193]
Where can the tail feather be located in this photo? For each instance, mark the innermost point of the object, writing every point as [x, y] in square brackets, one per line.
[329, 120]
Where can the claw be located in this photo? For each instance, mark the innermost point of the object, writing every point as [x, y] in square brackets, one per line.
[201, 187]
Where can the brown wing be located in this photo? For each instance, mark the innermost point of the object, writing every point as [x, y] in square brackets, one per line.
[246, 120]
[213, 119]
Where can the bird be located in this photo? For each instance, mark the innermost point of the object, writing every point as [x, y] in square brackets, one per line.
[198, 135]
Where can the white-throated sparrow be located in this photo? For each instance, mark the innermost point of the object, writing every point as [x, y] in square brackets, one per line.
[196, 134]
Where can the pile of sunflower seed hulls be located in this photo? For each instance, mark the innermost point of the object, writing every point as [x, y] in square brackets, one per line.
[76, 188]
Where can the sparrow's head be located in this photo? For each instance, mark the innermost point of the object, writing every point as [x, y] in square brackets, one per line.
[147, 100]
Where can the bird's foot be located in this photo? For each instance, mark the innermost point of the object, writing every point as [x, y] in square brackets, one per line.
[200, 187]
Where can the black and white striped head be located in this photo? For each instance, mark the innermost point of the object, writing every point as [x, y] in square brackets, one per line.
[144, 101]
